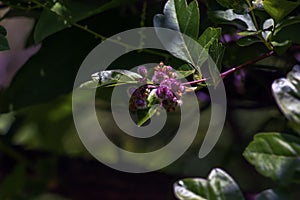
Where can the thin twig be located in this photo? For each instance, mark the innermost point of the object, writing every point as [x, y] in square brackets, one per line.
[97, 35]
[234, 69]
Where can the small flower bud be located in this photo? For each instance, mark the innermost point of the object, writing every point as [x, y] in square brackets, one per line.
[142, 71]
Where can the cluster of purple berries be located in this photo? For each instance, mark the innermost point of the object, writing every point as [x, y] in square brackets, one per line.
[165, 88]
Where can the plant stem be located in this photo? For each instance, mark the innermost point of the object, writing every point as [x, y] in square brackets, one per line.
[234, 69]
[252, 14]
[266, 43]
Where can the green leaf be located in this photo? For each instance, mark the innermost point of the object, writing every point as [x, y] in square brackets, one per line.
[3, 31]
[177, 17]
[237, 5]
[191, 189]
[13, 184]
[6, 120]
[3, 40]
[287, 22]
[268, 27]
[219, 185]
[279, 9]
[248, 33]
[273, 194]
[281, 47]
[147, 115]
[287, 33]
[274, 155]
[110, 78]
[287, 94]
[185, 71]
[246, 41]
[181, 17]
[209, 36]
[59, 16]
[210, 42]
[229, 17]
[181, 46]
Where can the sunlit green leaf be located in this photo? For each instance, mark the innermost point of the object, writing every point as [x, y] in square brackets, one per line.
[184, 48]
[275, 155]
[111, 78]
[184, 18]
[219, 185]
[268, 27]
[279, 9]
[287, 94]
[180, 16]
[191, 189]
[229, 17]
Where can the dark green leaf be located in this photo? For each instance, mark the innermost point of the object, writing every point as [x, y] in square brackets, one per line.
[272, 194]
[287, 33]
[246, 41]
[216, 52]
[147, 115]
[3, 31]
[210, 42]
[59, 15]
[209, 36]
[279, 9]
[181, 17]
[229, 16]
[3, 43]
[13, 184]
[219, 186]
[287, 22]
[237, 5]
[281, 47]
[185, 71]
[275, 155]
[287, 94]
[3, 40]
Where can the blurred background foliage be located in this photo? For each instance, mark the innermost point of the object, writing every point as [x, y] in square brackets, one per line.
[40, 151]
